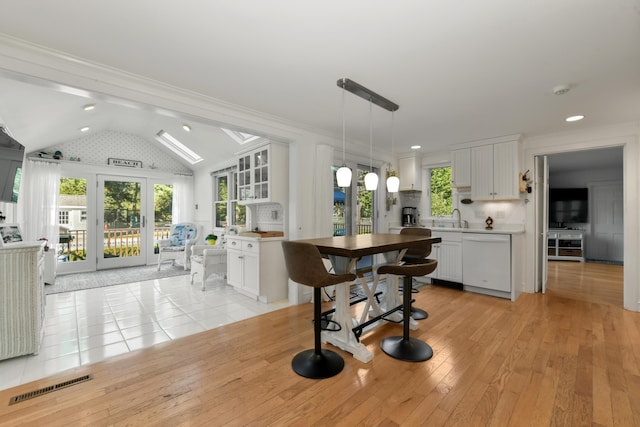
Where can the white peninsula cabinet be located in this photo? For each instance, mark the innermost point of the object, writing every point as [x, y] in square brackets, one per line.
[263, 174]
[256, 268]
[495, 171]
[22, 298]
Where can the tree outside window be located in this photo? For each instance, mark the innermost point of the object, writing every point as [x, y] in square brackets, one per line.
[441, 204]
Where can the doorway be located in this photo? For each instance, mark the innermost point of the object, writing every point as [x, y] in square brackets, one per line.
[600, 171]
[121, 221]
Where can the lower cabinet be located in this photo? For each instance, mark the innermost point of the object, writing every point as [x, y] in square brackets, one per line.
[448, 253]
[255, 267]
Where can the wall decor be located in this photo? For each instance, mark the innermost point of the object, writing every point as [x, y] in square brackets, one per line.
[124, 162]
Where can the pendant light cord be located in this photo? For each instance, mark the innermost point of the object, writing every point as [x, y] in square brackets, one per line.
[344, 132]
[370, 134]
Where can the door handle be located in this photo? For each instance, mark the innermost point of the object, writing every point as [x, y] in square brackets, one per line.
[144, 221]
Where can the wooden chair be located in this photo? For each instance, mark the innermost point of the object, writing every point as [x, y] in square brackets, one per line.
[405, 347]
[305, 266]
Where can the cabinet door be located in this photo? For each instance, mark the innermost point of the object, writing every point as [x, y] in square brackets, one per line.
[450, 262]
[251, 280]
[409, 174]
[505, 171]
[244, 177]
[260, 182]
[234, 268]
[482, 172]
[461, 168]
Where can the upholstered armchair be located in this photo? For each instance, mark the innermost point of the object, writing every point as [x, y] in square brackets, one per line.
[178, 246]
[207, 260]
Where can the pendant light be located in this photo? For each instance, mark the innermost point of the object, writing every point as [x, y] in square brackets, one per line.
[393, 182]
[371, 179]
[343, 175]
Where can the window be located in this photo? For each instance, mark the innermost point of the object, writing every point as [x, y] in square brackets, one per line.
[440, 191]
[227, 210]
[63, 217]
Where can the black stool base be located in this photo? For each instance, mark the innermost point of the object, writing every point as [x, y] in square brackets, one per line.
[317, 366]
[410, 350]
[418, 313]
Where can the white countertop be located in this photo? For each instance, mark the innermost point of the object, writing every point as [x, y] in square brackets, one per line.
[505, 229]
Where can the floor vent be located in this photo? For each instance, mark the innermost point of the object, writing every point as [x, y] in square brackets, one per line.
[49, 389]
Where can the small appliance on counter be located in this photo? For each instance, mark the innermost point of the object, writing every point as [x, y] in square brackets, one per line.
[409, 217]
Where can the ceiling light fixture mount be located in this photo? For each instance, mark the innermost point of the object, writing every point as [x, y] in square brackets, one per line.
[368, 94]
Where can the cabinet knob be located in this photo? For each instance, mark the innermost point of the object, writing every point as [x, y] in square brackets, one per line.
[249, 245]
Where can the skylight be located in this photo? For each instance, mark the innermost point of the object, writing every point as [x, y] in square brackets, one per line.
[240, 137]
[177, 147]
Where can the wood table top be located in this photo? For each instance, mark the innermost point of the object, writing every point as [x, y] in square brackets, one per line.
[367, 244]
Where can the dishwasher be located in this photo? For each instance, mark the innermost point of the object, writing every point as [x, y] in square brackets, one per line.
[486, 261]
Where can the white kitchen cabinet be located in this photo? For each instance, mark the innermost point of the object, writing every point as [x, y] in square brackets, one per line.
[461, 168]
[22, 298]
[494, 171]
[263, 174]
[409, 174]
[486, 263]
[255, 267]
[448, 253]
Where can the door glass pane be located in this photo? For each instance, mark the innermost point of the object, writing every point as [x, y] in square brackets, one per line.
[365, 207]
[163, 210]
[72, 217]
[340, 197]
[222, 198]
[121, 219]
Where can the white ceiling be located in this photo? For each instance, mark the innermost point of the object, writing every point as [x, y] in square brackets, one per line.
[460, 70]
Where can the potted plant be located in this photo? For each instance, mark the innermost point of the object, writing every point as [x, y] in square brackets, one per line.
[211, 239]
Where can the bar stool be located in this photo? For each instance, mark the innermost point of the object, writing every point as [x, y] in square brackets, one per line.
[417, 256]
[305, 266]
[404, 347]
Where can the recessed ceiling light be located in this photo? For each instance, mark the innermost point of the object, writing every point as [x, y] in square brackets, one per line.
[186, 127]
[574, 118]
[89, 107]
[84, 128]
[416, 147]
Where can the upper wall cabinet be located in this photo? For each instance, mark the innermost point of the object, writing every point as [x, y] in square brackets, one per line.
[494, 171]
[263, 175]
[461, 168]
[409, 174]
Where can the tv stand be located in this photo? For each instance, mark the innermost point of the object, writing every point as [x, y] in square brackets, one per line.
[565, 245]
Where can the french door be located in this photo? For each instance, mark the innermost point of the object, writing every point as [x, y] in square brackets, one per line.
[121, 231]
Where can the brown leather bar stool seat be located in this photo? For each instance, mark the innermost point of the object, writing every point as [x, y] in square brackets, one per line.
[417, 255]
[404, 347]
[305, 266]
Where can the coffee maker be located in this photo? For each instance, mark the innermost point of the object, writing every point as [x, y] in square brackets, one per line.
[409, 217]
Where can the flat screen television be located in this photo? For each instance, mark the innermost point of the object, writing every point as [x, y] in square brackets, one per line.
[11, 155]
[568, 205]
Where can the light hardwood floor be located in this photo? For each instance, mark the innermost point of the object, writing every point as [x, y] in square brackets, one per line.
[543, 360]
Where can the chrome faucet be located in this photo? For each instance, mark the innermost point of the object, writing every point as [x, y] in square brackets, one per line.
[459, 217]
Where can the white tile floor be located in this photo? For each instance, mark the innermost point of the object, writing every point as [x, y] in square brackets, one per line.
[88, 326]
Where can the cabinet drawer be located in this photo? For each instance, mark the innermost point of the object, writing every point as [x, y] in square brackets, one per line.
[570, 252]
[234, 244]
[250, 246]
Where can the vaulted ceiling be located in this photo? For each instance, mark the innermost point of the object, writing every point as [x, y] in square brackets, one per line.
[460, 70]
